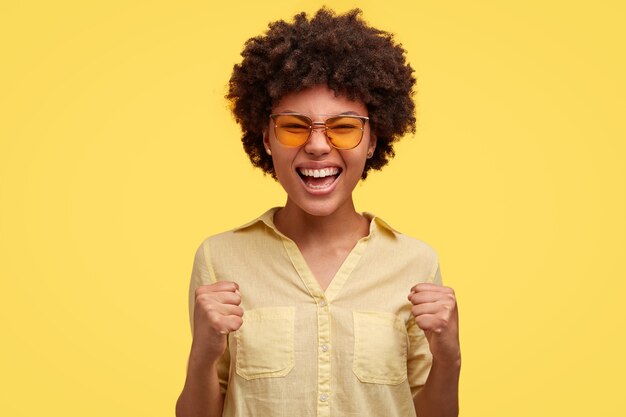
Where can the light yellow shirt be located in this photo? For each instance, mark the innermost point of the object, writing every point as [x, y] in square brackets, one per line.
[352, 350]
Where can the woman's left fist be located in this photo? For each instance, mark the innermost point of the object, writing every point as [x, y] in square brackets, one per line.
[435, 311]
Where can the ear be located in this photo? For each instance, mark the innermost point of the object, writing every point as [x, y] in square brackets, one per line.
[266, 138]
[372, 145]
[266, 141]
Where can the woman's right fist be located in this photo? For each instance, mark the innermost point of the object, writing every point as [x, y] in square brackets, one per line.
[216, 313]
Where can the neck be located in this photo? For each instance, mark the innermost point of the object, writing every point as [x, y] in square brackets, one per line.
[303, 228]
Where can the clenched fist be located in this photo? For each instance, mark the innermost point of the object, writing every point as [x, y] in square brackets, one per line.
[216, 313]
[435, 311]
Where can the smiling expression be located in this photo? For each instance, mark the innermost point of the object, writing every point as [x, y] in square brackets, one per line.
[318, 178]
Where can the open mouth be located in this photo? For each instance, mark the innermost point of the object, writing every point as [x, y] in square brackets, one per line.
[319, 179]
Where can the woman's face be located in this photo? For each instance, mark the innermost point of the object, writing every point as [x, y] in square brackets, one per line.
[318, 178]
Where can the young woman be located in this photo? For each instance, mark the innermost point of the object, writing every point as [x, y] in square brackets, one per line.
[314, 309]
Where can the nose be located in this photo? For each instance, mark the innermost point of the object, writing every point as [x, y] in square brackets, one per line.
[318, 143]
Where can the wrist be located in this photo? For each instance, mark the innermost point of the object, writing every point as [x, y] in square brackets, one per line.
[201, 357]
[449, 365]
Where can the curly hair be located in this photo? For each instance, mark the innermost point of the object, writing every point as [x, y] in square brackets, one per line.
[342, 51]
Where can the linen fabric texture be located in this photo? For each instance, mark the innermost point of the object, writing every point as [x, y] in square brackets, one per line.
[352, 350]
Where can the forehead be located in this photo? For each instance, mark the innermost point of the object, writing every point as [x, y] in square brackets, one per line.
[319, 100]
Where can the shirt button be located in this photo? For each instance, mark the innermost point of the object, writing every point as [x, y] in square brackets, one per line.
[322, 303]
[323, 397]
[325, 348]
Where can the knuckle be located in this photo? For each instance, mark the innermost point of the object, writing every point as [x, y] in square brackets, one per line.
[214, 318]
[200, 300]
[234, 323]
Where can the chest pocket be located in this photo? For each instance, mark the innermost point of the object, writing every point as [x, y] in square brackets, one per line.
[380, 348]
[265, 343]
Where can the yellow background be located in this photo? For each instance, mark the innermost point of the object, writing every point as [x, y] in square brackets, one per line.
[118, 156]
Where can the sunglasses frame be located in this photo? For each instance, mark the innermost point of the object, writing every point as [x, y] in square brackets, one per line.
[314, 125]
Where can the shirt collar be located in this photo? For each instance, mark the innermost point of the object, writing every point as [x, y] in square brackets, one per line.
[376, 223]
[267, 218]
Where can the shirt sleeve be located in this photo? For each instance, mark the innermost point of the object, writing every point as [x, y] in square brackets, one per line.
[437, 277]
[202, 274]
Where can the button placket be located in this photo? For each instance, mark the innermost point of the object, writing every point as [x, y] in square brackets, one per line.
[323, 358]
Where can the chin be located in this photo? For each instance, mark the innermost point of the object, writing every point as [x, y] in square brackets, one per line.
[320, 208]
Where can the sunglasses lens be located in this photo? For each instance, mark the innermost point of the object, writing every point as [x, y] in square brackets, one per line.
[345, 132]
[292, 130]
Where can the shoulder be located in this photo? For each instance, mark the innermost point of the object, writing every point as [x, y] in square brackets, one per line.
[418, 254]
[416, 246]
[252, 233]
[399, 241]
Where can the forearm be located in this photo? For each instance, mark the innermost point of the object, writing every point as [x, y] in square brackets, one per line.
[439, 397]
[201, 395]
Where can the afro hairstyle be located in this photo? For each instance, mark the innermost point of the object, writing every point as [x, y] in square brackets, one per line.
[341, 51]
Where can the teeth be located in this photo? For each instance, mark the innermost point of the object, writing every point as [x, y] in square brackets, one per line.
[319, 173]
